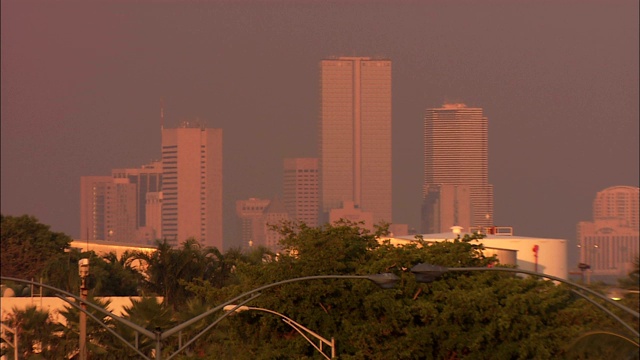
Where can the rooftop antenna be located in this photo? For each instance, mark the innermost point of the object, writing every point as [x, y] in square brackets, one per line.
[161, 114]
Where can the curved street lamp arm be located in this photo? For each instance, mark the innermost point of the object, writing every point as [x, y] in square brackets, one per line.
[533, 273]
[195, 319]
[633, 331]
[106, 327]
[197, 336]
[299, 328]
[126, 322]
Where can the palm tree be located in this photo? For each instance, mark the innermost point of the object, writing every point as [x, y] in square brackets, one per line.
[98, 338]
[169, 271]
[147, 313]
[36, 333]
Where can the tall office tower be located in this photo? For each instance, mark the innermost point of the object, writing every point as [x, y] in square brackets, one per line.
[456, 154]
[192, 185]
[250, 213]
[355, 135]
[93, 194]
[609, 243]
[301, 189]
[147, 178]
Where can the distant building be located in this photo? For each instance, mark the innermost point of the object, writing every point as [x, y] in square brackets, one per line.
[121, 211]
[93, 211]
[147, 178]
[355, 135]
[301, 197]
[446, 205]
[349, 211]
[250, 213]
[274, 214]
[609, 243]
[257, 217]
[456, 170]
[153, 214]
[398, 229]
[192, 185]
[113, 208]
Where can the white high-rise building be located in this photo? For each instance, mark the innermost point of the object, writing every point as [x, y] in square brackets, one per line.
[456, 169]
[192, 185]
[355, 135]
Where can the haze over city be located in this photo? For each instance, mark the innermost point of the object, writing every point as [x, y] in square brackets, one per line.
[557, 80]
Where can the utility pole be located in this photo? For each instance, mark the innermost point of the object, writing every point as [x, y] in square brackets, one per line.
[83, 268]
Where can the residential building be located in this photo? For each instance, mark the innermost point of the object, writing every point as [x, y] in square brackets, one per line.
[456, 164]
[192, 184]
[93, 195]
[609, 243]
[301, 189]
[355, 135]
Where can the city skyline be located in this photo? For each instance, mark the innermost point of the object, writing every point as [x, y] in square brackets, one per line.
[81, 85]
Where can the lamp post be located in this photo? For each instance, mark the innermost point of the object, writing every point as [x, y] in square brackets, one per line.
[304, 331]
[428, 273]
[384, 281]
[83, 269]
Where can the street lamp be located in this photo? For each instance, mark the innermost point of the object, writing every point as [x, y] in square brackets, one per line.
[83, 269]
[385, 281]
[428, 273]
[295, 325]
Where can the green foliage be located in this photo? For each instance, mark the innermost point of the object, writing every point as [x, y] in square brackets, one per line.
[27, 246]
[463, 315]
[35, 331]
[97, 336]
[169, 270]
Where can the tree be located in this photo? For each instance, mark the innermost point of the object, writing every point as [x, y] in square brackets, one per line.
[27, 246]
[463, 315]
[36, 333]
[169, 271]
[99, 343]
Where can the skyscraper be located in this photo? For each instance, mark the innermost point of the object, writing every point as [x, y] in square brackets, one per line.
[456, 169]
[355, 135]
[192, 184]
[609, 243]
[301, 189]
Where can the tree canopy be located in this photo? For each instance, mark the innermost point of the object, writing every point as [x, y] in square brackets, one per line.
[462, 315]
[27, 246]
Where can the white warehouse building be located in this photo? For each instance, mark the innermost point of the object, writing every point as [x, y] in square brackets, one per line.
[547, 256]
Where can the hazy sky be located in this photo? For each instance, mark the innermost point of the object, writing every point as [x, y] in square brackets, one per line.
[82, 82]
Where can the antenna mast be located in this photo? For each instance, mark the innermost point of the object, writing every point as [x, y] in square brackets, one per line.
[161, 114]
